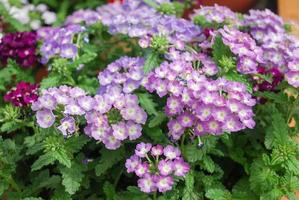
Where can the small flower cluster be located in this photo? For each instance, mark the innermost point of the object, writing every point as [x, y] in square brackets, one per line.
[242, 45]
[125, 71]
[216, 14]
[59, 42]
[111, 117]
[198, 103]
[133, 18]
[292, 75]
[87, 16]
[20, 46]
[156, 166]
[29, 14]
[22, 95]
[115, 117]
[67, 102]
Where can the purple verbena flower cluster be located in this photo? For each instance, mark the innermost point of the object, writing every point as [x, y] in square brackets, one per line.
[87, 16]
[133, 18]
[156, 166]
[125, 71]
[196, 102]
[216, 14]
[59, 42]
[66, 102]
[242, 45]
[115, 117]
[20, 46]
[22, 95]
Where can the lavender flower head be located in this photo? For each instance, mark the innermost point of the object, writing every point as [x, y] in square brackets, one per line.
[87, 16]
[125, 71]
[59, 42]
[216, 14]
[156, 166]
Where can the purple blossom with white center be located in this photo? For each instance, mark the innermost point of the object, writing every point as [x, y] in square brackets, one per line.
[87, 16]
[209, 67]
[119, 131]
[86, 102]
[164, 183]
[45, 118]
[171, 152]
[132, 163]
[181, 168]
[67, 126]
[142, 149]
[111, 142]
[147, 184]
[157, 150]
[156, 166]
[165, 167]
[134, 130]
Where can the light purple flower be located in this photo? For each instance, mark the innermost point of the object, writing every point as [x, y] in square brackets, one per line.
[164, 183]
[119, 131]
[147, 184]
[142, 149]
[165, 167]
[86, 102]
[171, 152]
[45, 118]
[132, 163]
[134, 130]
[67, 126]
[142, 169]
[157, 150]
[181, 168]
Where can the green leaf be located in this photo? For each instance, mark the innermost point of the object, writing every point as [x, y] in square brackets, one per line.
[9, 126]
[62, 156]
[151, 62]
[218, 194]
[220, 51]
[156, 135]
[109, 191]
[75, 143]
[157, 120]
[50, 81]
[109, 159]
[43, 160]
[192, 153]
[208, 164]
[33, 198]
[71, 179]
[280, 127]
[280, 98]
[146, 101]
[189, 193]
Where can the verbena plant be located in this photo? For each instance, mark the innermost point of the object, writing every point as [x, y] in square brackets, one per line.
[130, 101]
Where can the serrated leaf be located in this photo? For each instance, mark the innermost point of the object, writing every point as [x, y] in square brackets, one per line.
[280, 127]
[9, 126]
[71, 179]
[220, 50]
[75, 143]
[189, 193]
[208, 164]
[62, 157]
[151, 62]
[43, 160]
[108, 159]
[157, 120]
[146, 102]
[50, 81]
[192, 153]
[218, 194]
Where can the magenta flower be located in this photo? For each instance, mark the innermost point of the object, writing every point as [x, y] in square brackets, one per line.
[19, 46]
[22, 95]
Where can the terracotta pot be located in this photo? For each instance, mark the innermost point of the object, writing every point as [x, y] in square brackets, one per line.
[236, 5]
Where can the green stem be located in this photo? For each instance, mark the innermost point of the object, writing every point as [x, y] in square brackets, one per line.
[155, 195]
[118, 177]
